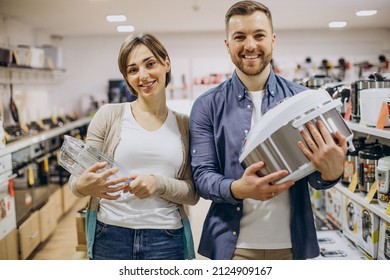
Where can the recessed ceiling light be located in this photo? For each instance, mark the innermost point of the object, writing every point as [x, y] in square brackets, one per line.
[125, 28]
[337, 24]
[116, 18]
[366, 13]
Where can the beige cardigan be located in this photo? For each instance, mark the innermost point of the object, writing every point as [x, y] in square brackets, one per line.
[104, 134]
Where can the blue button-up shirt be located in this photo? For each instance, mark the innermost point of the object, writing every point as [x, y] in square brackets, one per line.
[219, 121]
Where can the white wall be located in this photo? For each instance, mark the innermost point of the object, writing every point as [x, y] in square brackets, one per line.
[91, 61]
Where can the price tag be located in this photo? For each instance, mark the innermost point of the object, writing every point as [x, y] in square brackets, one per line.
[383, 116]
[347, 115]
[371, 193]
[353, 184]
[388, 209]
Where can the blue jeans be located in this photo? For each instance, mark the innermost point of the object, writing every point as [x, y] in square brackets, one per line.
[119, 243]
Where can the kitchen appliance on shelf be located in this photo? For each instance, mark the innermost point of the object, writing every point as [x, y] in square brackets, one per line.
[375, 81]
[368, 162]
[317, 81]
[31, 192]
[76, 156]
[351, 160]
[5, 57]
[382, 176]
[371, 101]
[274, 139]
[7, 200]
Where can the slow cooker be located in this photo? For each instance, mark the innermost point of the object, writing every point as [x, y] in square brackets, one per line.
[375, 81]
[382, 176]
[274, 139]
[371, 101]
[351, 160]
[368, 162]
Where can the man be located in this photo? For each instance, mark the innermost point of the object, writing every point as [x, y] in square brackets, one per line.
[251, 218]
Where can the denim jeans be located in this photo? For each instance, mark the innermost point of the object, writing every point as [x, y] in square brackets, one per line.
[119, 243]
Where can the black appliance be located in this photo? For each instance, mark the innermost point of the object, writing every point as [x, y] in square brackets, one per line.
[118, 92]
[31, 179]
[5, 57]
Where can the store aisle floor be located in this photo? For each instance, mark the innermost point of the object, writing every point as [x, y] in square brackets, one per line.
[61, 245]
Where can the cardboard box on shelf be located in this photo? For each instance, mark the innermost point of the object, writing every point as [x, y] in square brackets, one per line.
[80, 225]
[368, 232]
[384, 240]
[334, 206]
[351, 218]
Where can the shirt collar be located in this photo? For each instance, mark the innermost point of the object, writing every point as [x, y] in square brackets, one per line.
[240, 90]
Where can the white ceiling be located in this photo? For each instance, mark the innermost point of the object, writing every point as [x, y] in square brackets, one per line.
[87, 17]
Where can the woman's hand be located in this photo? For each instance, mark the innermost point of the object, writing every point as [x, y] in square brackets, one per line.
[142, 186]
[98, 184]
[326, 154]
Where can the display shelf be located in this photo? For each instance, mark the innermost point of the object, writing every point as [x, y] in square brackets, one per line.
[360, 198]
[30, 76]
[29, 140]
[383, 133]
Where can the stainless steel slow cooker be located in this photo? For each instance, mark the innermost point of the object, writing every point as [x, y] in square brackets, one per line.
[374, 81]
[274, 139]
[368, 162]
[351, 160]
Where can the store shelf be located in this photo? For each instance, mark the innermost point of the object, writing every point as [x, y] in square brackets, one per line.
[383, 133]
[28, 140]
[360, 199]
[30, 76]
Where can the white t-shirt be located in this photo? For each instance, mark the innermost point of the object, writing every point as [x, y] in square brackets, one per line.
[146, 152]
[265, 224]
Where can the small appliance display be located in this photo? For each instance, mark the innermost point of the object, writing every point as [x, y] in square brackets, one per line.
[368, 162]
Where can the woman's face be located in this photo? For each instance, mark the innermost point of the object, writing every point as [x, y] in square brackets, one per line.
[145, 74]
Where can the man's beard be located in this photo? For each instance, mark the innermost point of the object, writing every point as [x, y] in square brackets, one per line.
[253, 71]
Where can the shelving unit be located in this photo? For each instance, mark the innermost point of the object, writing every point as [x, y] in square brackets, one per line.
[359, 197]
[30, 76]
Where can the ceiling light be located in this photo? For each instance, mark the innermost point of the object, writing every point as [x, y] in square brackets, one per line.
[116, 18]
[125, 28]
[337, 24]
[366, 13]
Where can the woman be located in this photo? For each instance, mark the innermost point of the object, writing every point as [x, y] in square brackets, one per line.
[152, 142]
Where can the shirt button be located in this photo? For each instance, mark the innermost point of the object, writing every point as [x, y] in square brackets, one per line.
[239, 96]
[248, 106]
[193, 151]
[238, 208]
[246, 131]
[234, 233]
